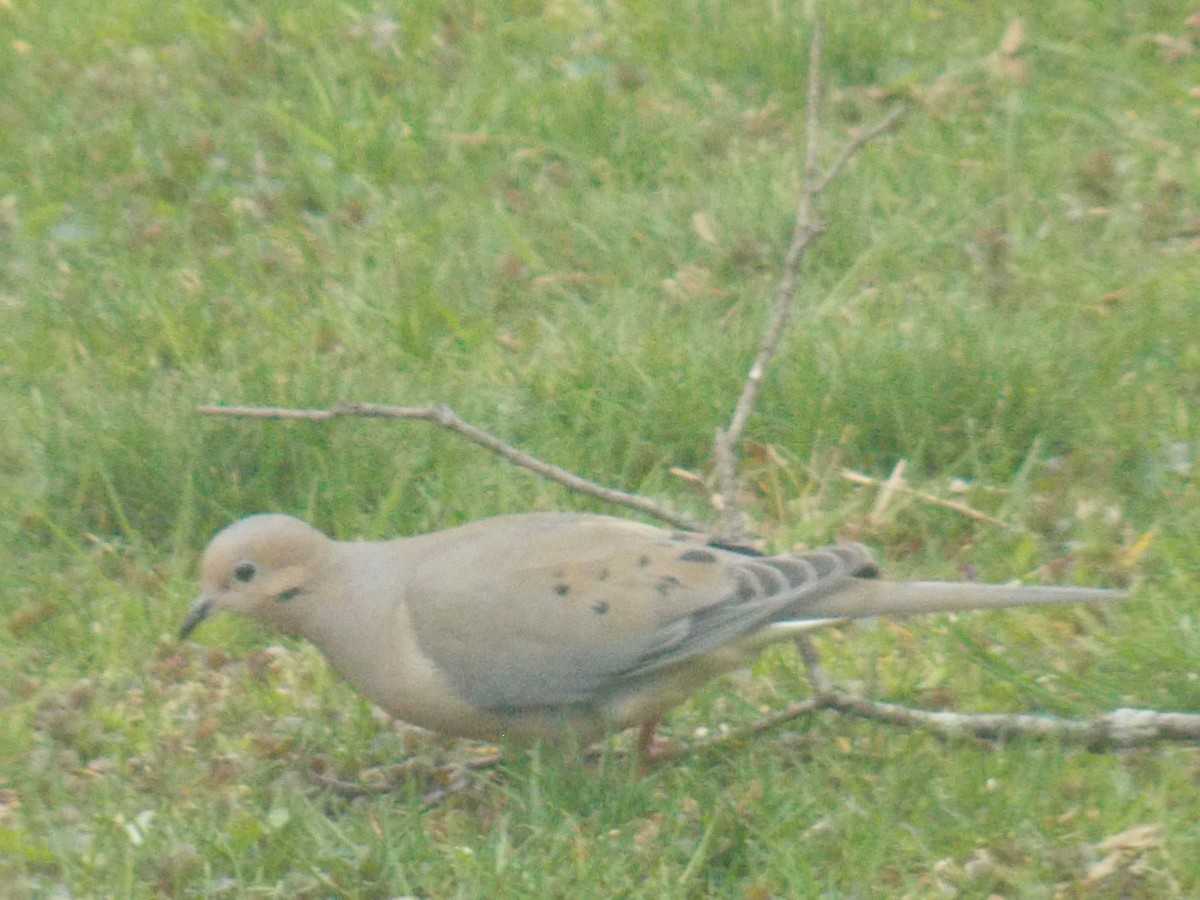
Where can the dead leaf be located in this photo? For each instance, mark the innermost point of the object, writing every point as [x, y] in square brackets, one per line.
[1174, 49]
[750, 796]
[509, 340]
[1134, 840]
[1014, 38]
[1104, 869]
[979, 864]
[471, 139]
[1131, 556]
[648, 832]
[29, 617]
[1113, 298]
[10, 802]
[558, 278]
[1008, 62]
[692, 282]
[1122, 851]
[702, 224]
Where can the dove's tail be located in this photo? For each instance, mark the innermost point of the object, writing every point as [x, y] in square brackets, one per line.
[859, 598]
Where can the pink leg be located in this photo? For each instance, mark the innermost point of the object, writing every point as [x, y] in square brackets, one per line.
[650, 747]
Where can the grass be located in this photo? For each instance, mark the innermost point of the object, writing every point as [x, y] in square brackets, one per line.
[491, 205]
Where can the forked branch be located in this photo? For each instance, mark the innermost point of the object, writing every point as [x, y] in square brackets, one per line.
[806, 229]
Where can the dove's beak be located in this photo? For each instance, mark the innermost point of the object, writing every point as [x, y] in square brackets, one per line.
[201, 610]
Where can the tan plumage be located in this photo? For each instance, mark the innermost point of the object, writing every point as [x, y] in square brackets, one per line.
[545, 624]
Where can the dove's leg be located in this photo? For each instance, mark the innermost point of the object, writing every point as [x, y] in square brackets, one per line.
[651, 747]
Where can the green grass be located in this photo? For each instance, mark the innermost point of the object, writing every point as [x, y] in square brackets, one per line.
[490, 205]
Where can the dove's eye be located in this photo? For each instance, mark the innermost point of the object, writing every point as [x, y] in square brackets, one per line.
[244, 572]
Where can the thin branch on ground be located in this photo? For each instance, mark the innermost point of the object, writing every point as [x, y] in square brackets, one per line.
[445, 417]
[861, 138]
[887, 492]
[821, 683]
[1120, 729]
[895, 485]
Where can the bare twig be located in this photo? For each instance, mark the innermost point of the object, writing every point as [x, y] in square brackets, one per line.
[1119, 729]
[894, 485]
[822, 684]
[804, 231]
[446, 418]
[860, 139]
[789, 713]
[887, 492]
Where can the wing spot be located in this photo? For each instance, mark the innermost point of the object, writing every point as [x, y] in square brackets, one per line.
[562, 589]
[700, 556]
[666, 583]
[643, 561]
[603, 574]
[600, 608]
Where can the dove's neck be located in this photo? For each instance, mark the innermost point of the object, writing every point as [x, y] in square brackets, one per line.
[350, 620]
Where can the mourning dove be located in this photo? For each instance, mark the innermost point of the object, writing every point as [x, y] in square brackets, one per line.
[547, 624]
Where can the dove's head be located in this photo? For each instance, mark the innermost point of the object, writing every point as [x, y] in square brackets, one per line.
[261, 566]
